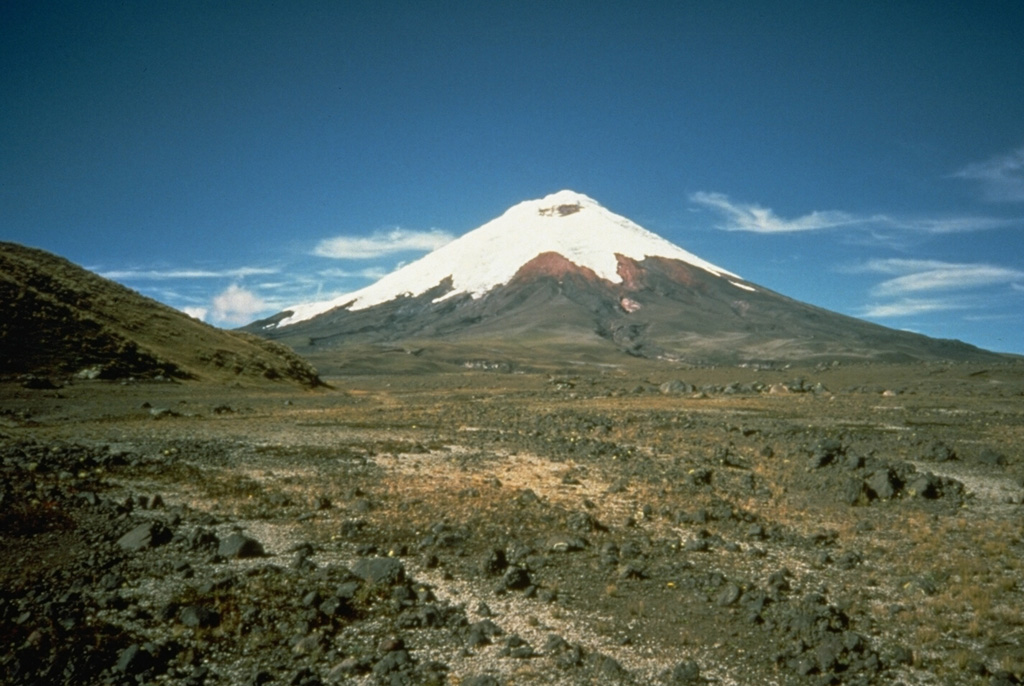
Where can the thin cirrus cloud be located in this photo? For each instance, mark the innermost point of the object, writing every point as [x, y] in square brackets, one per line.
[1001, 177]
[906, 307]
[382, 243]
[757, 219]
[917, 276]
[923, 286]
[167, 274]
[368, 273]
[946, 225]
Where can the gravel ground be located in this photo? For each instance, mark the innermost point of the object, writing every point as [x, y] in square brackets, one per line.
[856, 526]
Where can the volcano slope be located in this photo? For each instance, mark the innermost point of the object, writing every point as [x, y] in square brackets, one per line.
[632, 525]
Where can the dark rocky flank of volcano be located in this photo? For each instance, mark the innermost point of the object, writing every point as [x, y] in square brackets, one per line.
[662, 309]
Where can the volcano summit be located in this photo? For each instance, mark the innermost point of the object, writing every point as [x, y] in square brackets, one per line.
[563, 276]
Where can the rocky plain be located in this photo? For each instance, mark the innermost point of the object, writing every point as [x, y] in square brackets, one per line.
[839, 524]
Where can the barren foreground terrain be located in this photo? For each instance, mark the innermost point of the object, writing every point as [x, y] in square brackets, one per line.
[844, 524]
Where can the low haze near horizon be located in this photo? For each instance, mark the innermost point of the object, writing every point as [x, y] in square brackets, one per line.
[231, 159]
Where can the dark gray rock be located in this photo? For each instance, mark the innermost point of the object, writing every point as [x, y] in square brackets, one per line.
[517, 647]
[687, 672]
[582, 522]
[494, 563]
[851, 491]
[827, 451]
[607, 669]
[676, 387]
[394, 661]
[147, 535]
[992, 458]
[515, 579]
[199, 617]
[134, 659]
[881, 484]
[240, 546]
[335, 606]
[385, 571]
[926, 486]
[632, 570]
[938, 452]
[729, 595]
[482, 633]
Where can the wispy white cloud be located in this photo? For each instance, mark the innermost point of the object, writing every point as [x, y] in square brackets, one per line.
[917, 276]
[754, 218]
[895, 265]
[946, 225]
[750, 217]
[913, 282]
[382, 243]
[166, 274]
[906, 307]
[953, 277]
[1001, 177]
[368, 273]
[236, 305]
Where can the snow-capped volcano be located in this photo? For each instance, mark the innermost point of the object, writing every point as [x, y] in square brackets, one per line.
[564, 278]
[566, 223]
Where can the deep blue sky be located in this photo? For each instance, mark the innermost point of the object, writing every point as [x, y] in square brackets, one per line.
[866, 157]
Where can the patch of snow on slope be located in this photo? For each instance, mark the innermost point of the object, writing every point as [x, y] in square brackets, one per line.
[568, 223]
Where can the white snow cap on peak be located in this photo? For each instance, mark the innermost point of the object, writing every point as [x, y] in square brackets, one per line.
[568, 223]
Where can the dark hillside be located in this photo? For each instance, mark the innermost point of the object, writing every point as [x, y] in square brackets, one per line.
[58, 318]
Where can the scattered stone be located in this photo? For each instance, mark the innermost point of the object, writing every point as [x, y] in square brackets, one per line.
[582, 522]
[938, 452]
[239, 546]
[482, 633]
[383, 571]
[687, 672]
[881, 484]
[199, 617]
[826, 452]
[729, 595]
[147, 535]
[632, 570]
[676, 387]
[135, 659]
[992, 458]
[607, 669]
[926, 486]
[494, 563]
[203, 539]
[517, 647]
[515, 579]
[566, 544]
[527, 497]
[394, 661]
